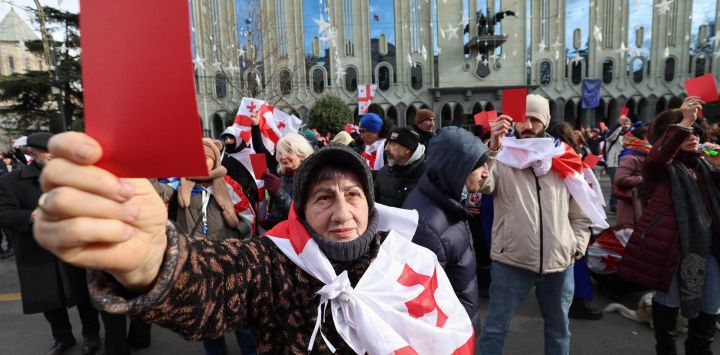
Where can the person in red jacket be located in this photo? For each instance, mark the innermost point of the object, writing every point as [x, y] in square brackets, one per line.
[674, 247]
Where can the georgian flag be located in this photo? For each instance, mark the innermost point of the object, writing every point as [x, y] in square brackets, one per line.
[274, 124]
[366, 93]
[605, 254]
[350, 128]
[543, 154]
[403, 304]
[374, 154]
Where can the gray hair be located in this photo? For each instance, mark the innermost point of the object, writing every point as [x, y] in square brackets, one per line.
[293, 143]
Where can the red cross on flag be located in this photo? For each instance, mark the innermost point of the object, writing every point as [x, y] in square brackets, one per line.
[403, 304]
[276, 124]
[366, 93]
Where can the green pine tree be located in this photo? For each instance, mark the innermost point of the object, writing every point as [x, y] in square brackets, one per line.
[330, 114]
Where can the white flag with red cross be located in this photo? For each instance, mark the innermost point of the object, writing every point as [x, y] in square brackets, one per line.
[275, 124]
[606, 252]
[366, 93]
[402, 304]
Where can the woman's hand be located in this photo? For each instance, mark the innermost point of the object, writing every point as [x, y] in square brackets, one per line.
[90, 218]
[713, 160]
[689, 109]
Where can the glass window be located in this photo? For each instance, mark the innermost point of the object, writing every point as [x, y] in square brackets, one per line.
[11, 63]
[285, 79]
[699, 66]
[27, 64]
[577, 72]
[220, 85]
[416, 76]
[639, 24]
[382, 33]
[608, 71]
[415, 23]
[215, 25]
[249, 29]
[703, 27]
[638, 69]
[577, 25]
[545, 72]
[383, 78]
[318, 80]
[281, 26]
[482, 70]
[348, 29]
[254, 82]
[670, 69]
[351, 79]
[312, 10]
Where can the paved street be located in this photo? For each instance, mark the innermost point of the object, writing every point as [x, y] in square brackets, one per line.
[30, 334]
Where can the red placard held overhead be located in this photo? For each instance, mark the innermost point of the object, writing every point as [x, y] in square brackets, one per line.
[513, 103]
[592, 160]
[137, 75]
[702, 86]
[624, 111]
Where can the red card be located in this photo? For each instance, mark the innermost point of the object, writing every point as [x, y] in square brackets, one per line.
[491, 116]
[482, 121]
[137, 75]
[259, 165]
[592, 160]
[702, 86]
[624, 111]
[513, 103]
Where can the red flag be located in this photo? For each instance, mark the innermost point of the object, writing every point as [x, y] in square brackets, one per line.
[124, 44]
[624, 111]
[702, 86]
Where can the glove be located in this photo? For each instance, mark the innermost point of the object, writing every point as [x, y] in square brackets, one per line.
[272, 182]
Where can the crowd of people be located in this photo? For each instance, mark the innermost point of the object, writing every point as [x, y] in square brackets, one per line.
[355, 220]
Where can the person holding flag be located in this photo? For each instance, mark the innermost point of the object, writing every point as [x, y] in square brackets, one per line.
[374, 130]
[378, 292]
[535, 243]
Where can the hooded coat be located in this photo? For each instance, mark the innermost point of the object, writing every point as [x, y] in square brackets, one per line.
[443, 224]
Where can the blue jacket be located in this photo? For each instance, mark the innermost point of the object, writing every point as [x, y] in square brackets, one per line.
[443, 225]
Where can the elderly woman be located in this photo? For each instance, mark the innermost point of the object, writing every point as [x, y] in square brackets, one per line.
[675, 245]
[290, 152]
[333, 245]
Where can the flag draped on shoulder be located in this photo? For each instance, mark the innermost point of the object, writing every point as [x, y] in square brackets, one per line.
[544, 154]
[404, 302]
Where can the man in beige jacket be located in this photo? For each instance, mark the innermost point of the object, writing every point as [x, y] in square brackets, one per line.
[538, 232]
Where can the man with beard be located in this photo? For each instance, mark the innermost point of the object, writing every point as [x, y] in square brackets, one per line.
[406, 164]
[536, 242]
[47, 285]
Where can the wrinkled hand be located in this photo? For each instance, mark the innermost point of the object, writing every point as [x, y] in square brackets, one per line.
[272, 183]
[689, 109]
[92, 219]
[499, 129]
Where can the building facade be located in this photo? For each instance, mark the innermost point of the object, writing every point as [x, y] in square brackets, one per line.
[14, 57]
[453, 57]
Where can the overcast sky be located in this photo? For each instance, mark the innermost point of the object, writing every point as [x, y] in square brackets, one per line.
[20, 5]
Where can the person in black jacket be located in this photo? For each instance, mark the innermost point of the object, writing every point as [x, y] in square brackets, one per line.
[406, 164]
[456, 162]
[425, 125]
[47, 285]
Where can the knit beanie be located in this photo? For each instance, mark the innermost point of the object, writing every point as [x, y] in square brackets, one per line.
[406, 137]
[311, 136]
[423, 115]
[336, 155]
[39, 140]
[538, 107]
[371, 122]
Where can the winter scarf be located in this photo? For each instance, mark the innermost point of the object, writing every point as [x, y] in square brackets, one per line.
[694, 225]
[217, 181]
[635, 146]
[543, 154]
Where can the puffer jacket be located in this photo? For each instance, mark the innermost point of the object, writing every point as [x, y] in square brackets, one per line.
[653, 251]
[537, 224]
[443, 224]
[394, 183]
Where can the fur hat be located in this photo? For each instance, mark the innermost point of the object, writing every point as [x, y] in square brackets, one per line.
[538, 107]
[343, 138]
[336, 155]
[212, 150]
[423, 115]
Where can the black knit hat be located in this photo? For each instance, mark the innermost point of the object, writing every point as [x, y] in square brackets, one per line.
[339, 156]
[39, 140]
[406, 137]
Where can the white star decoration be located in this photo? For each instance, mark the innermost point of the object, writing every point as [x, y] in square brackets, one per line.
[451, 32]
[556, 44]
[241, 52]
[664, 6]
[541, 47]
[340, 73]
[716, 54]
[199, 62]
[597, 33]
[217, 66]
[424, 53]
[667, 52]
[322, 24]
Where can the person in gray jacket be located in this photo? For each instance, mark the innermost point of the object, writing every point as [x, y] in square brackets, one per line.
[443, 225]
[538, 232]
